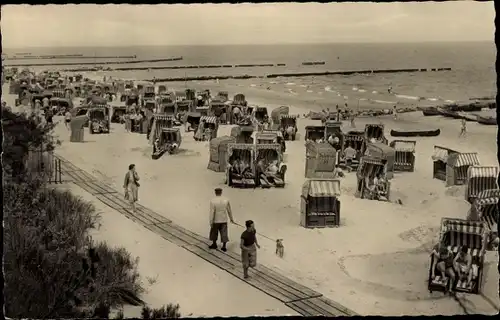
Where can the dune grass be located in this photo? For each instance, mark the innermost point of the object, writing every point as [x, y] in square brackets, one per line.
[52, 267]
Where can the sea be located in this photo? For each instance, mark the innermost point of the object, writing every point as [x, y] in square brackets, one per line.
[472, 63]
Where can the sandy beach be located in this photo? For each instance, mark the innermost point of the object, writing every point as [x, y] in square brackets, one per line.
[375, 263]
[166, 269]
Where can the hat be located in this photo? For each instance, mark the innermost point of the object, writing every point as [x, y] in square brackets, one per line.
[218, 189]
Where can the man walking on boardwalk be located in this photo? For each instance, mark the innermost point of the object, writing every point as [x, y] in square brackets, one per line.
[220, 209]
[249, 247]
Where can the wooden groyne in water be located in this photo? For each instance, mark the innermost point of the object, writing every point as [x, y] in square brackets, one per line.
[214, 66]
[92, 63]
[289, 75]
[68, 56]
[347, 73]
[313, 63]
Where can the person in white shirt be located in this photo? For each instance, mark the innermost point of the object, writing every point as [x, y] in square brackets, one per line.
[220, 210]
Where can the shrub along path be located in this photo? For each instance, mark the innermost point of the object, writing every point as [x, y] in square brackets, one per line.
[304, 300]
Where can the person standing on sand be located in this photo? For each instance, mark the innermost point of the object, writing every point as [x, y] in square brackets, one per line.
[349, 154]
[249, 247]
[46, 102]
[463, 130]
[67, 119]
[220, 210]
[131, 186]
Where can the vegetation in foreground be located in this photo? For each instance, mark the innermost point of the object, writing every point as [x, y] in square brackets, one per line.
[52, 267]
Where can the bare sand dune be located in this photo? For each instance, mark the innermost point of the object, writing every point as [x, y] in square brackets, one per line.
[371, 263]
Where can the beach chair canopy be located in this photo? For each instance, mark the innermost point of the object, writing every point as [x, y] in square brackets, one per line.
[486, 205]
[442, 153]
[268, 146]
[321, 188]
[216, 142]
[482, 172]
[463, 159]
[267, 136]
[209, 119]
[240, 146]
[404, 146]
[379, 150]
[458, 232]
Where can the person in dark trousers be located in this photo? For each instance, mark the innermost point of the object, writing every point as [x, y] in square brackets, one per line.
[220, 210]
[249, 247]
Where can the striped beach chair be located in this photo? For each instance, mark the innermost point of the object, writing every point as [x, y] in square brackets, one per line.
[57, 93]
[370, 167]
[405, 155]
[160, 122]
[485, 209]
[454, 234]
[480, 178]
[457, 166]
[246, 153]
[320, 204]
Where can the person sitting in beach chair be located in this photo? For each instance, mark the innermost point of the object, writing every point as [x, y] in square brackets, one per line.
[462, 264]
[272, 168]
[380, 184]
[233, 167]
[244, 169]
[443, 262]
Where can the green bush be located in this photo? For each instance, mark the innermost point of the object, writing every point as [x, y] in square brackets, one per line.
[52, 267]
[47, 250]
[21, 133]
[168, 311]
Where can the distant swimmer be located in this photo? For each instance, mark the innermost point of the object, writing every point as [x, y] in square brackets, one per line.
[395, 113]
[389, 90]
[463, 130]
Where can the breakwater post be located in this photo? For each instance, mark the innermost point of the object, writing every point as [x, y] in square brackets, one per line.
[68, 56]
[303, 74]
[92, 63]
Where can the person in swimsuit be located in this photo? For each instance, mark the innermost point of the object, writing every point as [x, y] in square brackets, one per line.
[443, 262]
[463, 130]
[463, 263]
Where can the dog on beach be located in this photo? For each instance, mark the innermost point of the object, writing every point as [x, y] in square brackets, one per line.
[280, 248]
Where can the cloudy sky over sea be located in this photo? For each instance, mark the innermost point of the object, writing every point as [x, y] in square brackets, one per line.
[208, 24]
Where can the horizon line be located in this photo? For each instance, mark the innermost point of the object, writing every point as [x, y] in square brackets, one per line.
[247, 44]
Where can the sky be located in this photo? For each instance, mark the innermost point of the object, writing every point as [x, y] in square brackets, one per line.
[217, 24]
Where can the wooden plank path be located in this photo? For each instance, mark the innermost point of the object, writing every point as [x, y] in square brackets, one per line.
[303, 300]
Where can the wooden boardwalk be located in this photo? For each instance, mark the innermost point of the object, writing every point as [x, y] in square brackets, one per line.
[305, 301]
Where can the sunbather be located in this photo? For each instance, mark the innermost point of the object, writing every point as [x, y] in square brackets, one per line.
[443, 262]
[244, 168]
[380, 184]
[463, 263]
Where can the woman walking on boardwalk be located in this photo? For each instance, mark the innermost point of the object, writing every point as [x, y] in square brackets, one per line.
[131, 186]
[249, 247]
